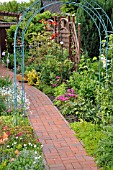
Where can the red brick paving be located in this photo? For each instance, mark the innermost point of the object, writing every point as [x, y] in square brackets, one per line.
[61, 149]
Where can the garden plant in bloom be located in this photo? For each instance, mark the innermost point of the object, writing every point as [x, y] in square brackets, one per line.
[8, 94]
[19, 148]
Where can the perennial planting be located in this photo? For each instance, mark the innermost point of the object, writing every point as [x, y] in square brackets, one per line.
[19, 148]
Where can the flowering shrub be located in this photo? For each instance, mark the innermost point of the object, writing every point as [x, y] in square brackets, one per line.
[8, 94]
[18, 146]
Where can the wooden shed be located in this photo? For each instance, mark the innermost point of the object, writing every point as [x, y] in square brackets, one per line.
[4, 26]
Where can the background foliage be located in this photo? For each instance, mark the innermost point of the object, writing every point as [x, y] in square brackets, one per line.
[89, 33]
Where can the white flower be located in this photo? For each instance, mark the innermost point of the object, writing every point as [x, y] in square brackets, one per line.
[16, 137]
[34, 146]
[42, 146]
[15, 143]
[29, 143]
[25, 145]
[39, 157]
[61, 42]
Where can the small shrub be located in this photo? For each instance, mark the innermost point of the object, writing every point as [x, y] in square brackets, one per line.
[104, 152]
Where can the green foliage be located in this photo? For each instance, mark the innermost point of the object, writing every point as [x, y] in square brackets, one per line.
[47, 89]
[2, 105]
[50, 60]
[104, 153]
[14, 6]
[95, 99]
[90, 135]
[5, 81]
[89, 31]
[60, 90]
[27, 159]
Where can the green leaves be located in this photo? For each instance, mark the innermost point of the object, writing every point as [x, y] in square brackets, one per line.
[89, 134]
[104, 153]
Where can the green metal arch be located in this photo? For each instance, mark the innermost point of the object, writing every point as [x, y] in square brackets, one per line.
[101, 21]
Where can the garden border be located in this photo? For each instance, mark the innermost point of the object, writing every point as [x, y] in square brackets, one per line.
[87, 7]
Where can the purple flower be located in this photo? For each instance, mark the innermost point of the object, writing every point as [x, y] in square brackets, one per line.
[70, 90]
[70, 95]
[62, 98]
[54, 85]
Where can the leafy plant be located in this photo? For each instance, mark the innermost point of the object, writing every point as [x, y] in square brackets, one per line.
[2, 105]
[5, 81]
[104, 151]
[90, 135]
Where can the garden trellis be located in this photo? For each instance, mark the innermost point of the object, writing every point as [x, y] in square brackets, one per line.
[34, 9]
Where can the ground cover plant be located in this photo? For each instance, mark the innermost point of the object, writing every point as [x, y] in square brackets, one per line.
[19, 148]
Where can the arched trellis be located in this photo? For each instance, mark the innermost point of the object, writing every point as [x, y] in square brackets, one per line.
[35, 8]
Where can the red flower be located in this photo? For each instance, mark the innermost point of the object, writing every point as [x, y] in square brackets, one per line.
[19, 134]
[54, 23]
[49, 22]
[41, 20]
[54, 35]
[8, 133]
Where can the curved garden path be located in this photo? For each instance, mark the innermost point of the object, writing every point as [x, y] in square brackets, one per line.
[61, 149]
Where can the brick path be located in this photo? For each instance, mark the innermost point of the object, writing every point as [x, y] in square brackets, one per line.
[61, 149]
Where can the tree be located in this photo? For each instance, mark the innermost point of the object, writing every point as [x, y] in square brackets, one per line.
[89, 32]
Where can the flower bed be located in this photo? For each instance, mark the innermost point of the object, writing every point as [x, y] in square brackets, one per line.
[19, 147]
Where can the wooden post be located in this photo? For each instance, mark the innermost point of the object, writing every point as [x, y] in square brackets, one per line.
[73, 18]
[70, 53]
[55, 26]
[79, 37]
[58, 18]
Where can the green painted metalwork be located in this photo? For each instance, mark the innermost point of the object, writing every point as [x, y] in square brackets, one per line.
[36, 8]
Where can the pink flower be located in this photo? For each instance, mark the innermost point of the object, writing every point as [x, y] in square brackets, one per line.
[70, 95]
[57, 77]
[38, 140]
[5, 128]
[54, 85]
[57, 80]
[62, 98]
[76, 96]
[70, 90]
[8, 110]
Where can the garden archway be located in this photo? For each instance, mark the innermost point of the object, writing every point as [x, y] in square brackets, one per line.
[35, 8]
